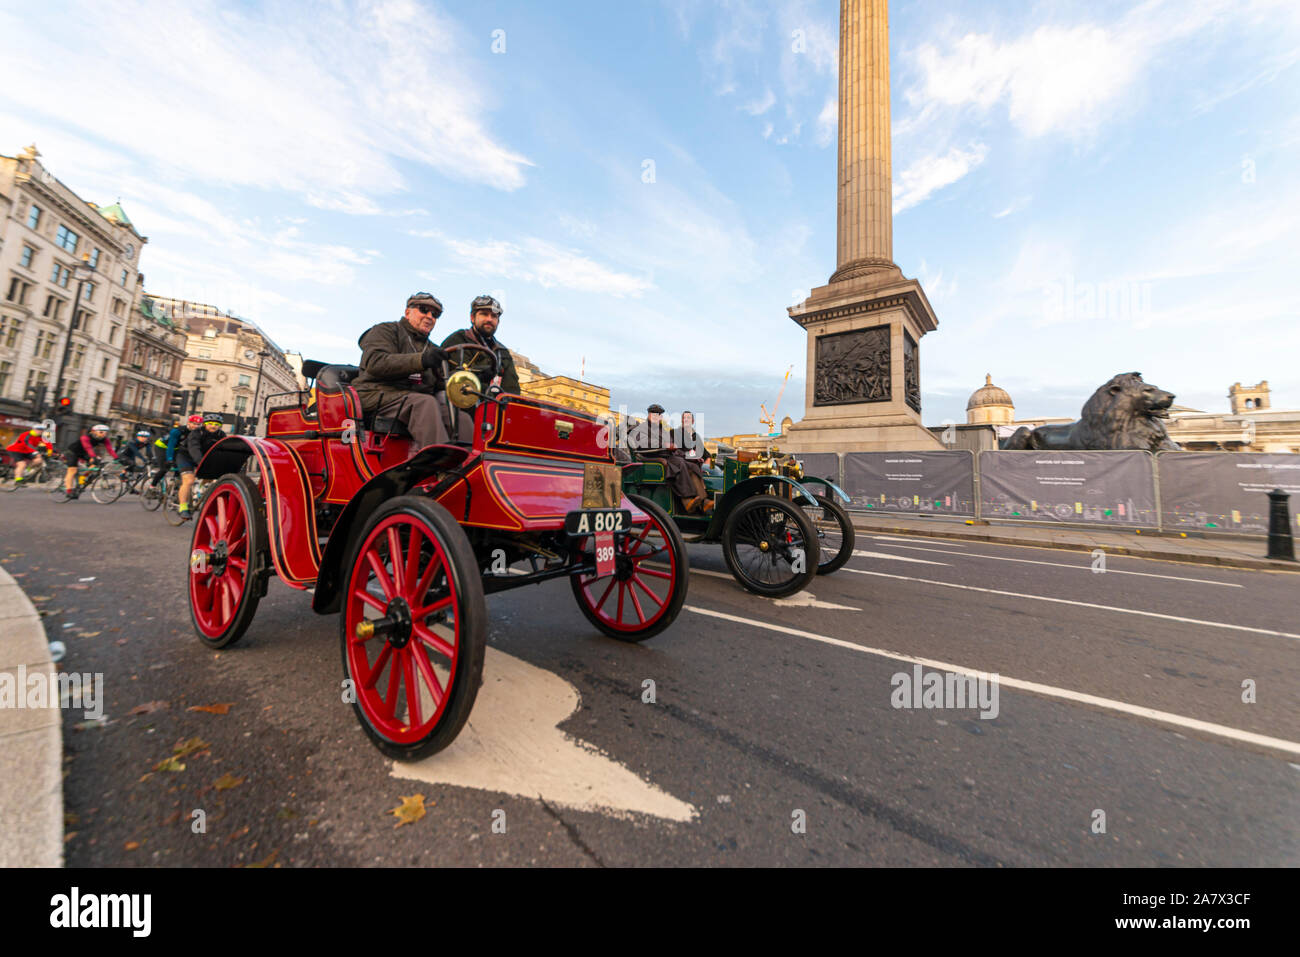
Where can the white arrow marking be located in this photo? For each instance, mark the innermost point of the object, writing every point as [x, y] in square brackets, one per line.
[806, 599]
[511, 744]
[858, 553]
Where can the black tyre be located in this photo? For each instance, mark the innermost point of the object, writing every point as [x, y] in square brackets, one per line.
[108, 487]
[229, 556]
[651, 576]
[835, 534]
[770, 546]
[413, 629]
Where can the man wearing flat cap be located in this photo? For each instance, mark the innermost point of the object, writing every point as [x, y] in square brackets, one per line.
[484, 318]
[401, 371]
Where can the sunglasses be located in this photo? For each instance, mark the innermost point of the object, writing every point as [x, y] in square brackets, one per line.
[429, 311]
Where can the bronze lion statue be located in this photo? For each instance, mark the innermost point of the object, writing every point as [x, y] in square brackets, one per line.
[1125, 413]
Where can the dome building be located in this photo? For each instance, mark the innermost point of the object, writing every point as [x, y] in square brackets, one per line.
[990, 405]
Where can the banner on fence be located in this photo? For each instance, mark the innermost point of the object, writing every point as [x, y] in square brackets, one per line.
[936, 483]
[1225, 491]
[1103, 488]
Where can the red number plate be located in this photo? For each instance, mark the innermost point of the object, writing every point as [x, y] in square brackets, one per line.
[604, 554]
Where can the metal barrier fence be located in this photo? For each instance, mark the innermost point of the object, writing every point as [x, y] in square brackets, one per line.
[1203, 491]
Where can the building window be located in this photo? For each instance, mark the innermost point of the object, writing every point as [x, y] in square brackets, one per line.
[78, 356]
[198, 398]
[112, 334]
[209, 333]
[103, 369]
[9, 329]
[33, 217]
[99, 401]
[94, 259]
[40, 341]
[124, 275]
[28, 254]
[49, 347]
[6, 370]
[82, 318]
[67, 239]
[245, 380]
[128, 393]
[90, 291]
[60, 275]
[15, 286]
[200, 375]
[205, 353]
[241, 403]
[118, 306]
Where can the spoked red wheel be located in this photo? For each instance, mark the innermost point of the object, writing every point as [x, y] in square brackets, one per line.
[651, 573]
[414, 628]
[227, 561]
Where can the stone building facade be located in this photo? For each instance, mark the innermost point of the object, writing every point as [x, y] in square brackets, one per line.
[224, 362]
[149, 375]
[47, 233]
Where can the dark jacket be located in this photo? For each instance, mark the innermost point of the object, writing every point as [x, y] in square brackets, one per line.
[136, 450]
[392, 361]
[200, 440]
[176, 439]
[480, 363]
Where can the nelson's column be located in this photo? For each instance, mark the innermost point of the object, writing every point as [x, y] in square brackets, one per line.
[865, 325]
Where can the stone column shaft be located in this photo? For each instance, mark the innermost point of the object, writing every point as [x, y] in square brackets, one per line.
[865, 234]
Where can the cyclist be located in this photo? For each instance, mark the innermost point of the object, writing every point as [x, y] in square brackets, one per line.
[161, 460]
[197, 444]
[136, 453]
[178, 454]
[28, 447]
[85, 448]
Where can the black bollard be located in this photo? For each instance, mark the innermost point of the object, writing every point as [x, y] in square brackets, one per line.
[1280, 543]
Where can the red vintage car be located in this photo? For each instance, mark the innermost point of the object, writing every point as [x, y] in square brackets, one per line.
[405, 542]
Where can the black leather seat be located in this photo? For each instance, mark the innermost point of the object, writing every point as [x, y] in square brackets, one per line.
[334, 378]
[386, 425]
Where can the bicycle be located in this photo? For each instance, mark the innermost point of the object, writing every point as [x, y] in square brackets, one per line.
[87, 480]
[152, 496]
[172, 501]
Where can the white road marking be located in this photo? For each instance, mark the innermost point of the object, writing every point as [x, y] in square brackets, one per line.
[1082, 604]
[806, 599]
[887, 538]
[1034, 687]
[1030, 561]
[858, 553]
[511, 744]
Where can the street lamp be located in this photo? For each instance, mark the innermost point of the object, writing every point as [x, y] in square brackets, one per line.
[83, 273]
[257, 384]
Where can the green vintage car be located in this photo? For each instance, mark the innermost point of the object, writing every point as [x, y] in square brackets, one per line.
[779, 528]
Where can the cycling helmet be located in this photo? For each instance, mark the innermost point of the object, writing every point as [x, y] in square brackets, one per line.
[33, 431]
[196, 419]
[213, 417]
[142, 434]
[99, 427]
[485, 302]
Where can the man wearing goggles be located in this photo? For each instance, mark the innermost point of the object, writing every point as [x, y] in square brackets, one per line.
[401, 371]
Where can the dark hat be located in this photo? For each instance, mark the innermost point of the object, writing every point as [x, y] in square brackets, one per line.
[424, 298]
[656, 408]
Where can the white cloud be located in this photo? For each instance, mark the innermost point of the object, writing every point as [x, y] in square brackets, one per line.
[762, 105]
[828, 121]
[323, 106]
[548, 265]
[932, 173]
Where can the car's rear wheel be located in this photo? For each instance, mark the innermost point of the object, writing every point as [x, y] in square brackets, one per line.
[835, 535]
[651, 574]
[770, 546]
[414, 628]
[228, 560]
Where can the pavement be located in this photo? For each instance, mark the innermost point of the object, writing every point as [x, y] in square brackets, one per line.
[1195, 547]
[1145, 717]
[31, 740]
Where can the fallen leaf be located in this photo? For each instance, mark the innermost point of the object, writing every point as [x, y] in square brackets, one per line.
[268, 860]
[169, 764]
[71, 834]
[227, 781]
[41, 597]
[149, 707]
[286, 814]
[87, 634]
[189, 746]
[221, 708]
[238, 834]
[131, 845]
[121, 641]
[410, 810]
[90, 725]
[78, 587]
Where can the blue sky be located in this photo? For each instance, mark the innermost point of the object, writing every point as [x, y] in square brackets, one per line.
[1082, 188]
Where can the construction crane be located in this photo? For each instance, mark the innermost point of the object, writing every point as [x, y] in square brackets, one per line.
[769, 418]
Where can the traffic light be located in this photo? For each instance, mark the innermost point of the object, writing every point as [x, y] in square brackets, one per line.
[179, 401]
[35, 397]
[65, 403]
